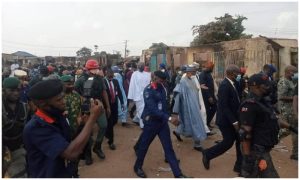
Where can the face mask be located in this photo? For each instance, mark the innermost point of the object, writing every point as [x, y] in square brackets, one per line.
[238, 78]
[163, 70]
[130, 68]
[295, 77]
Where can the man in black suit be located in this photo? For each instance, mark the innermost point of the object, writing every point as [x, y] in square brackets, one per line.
[227, 119]
[114, 93]
[210, 102]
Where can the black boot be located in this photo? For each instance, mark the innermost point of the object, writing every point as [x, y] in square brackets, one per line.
[97, 150]
[88, 155]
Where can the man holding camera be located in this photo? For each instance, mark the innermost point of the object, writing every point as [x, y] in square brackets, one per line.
[91, 85]
[47, 137]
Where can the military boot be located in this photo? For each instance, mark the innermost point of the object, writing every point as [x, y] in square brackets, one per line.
[98, 150]
[88, 155]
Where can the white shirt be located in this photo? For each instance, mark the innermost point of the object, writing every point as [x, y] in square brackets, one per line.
[138, 82]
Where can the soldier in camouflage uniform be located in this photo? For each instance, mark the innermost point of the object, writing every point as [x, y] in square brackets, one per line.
[14, 116]
[285, 101]
[73, 107]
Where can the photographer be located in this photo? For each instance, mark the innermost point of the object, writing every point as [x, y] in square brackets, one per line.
[91, 85]
[47, 137]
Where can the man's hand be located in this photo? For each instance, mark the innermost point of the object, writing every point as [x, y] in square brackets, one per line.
[203, 86]
[96, 108]
[174, 121]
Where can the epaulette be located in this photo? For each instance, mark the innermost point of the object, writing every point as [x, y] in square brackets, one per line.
[153, 85]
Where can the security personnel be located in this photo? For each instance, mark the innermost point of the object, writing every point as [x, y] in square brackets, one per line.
[259, 130]
[98, 91]
[156, 117]
[14, 116]
[47, 136]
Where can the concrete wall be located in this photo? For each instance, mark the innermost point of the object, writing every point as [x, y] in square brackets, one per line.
[285, 55]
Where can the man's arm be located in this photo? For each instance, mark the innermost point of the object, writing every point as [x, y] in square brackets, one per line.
[76, 147]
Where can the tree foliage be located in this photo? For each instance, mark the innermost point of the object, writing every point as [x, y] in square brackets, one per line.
[158, 48]
[84, 52]
[225, 28]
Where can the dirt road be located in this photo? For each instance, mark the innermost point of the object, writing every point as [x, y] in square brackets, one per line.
[119, 163]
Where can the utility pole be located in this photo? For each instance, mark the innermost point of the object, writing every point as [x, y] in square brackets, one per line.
[125, 54]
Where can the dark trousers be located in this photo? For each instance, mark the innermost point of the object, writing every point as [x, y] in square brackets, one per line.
[229, 137]
[210, 111]
[111, 122]
[269, 172]
[151, 129]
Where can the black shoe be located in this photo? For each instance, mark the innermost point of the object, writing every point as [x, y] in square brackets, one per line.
[88, 160]
[237, 169]
[294, 157]
[177, 136]
[205, 160]
[99, 153]
[112, 146]
[200, 149]
[140, 173]
[183, 176]
[166, 161]
[210, 133]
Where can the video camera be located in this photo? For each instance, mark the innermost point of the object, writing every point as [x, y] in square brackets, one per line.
[87, 94]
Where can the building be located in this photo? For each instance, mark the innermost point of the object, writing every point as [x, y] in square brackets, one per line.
[250, 53]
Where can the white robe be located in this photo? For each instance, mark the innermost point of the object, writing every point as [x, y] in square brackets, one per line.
[138, 82]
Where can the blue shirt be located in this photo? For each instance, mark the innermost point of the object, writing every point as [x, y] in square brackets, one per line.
[44, 142]
[155, 98]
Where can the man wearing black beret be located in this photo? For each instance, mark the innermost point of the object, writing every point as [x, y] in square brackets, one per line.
[156, 117]
[47, 135]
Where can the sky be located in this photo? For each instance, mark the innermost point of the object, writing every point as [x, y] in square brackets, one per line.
[62, 28]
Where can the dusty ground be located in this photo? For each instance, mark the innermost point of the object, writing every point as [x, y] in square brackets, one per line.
[119, 163]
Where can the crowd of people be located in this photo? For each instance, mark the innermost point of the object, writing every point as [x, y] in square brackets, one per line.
[48, 115]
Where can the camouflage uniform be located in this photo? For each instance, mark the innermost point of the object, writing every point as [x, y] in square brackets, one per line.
[286, 88]
[13, 153]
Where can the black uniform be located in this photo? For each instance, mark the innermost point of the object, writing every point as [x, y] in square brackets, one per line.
[260, 116]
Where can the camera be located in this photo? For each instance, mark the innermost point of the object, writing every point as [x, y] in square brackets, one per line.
[87, 94]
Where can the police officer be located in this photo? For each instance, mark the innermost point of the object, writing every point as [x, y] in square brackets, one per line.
[14, 116]
[47, 136]
[98, 91]
[156, 117]
[259, 130]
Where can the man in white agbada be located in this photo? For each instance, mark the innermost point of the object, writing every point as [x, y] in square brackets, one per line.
[139, 80]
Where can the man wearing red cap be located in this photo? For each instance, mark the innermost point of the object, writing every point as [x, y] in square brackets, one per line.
[98, 91]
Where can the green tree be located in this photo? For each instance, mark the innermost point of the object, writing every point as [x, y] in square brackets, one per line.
[225, 28]
[158, 48]
[84, 53]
